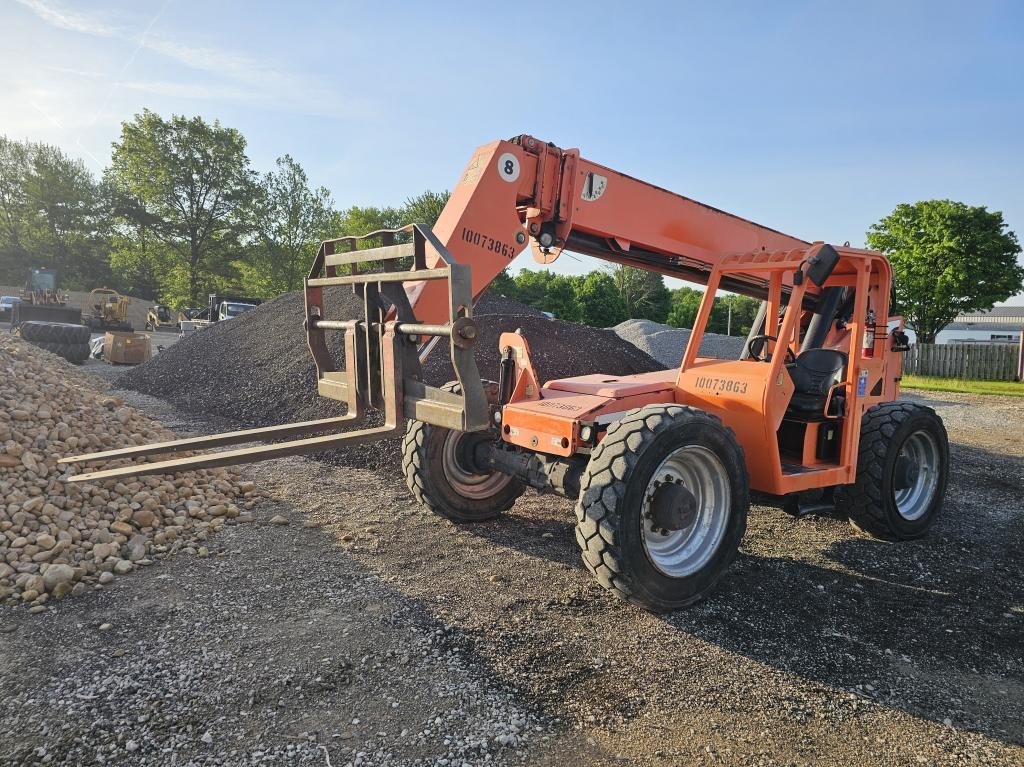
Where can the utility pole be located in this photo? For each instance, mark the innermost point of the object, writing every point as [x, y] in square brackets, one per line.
[728, 322]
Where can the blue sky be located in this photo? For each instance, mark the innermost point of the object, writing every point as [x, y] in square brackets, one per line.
[815, 118]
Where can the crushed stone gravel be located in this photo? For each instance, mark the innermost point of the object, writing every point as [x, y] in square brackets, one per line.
[58, 538]
[668, 344]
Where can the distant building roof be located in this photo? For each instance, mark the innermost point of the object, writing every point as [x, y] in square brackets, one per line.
[986, 327]
[1013, 315]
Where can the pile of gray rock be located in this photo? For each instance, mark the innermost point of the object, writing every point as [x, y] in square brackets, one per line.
[667, 344]
[59, 538]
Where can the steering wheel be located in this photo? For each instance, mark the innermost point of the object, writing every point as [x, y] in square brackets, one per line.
[756, 344]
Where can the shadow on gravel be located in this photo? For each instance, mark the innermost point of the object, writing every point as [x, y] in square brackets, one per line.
[915, 628]
[934, 628]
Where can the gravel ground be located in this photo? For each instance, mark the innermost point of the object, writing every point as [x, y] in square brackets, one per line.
[368, 632]
[668, 344]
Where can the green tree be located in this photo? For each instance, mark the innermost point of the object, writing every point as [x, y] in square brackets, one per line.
[947, 258]
[185, 183]
[356, 221]
[532, 286]
[504, 285]
[744, 310]
[685, 303]
[287, 218]
[599, 301]
[643, 292]
[51, 214]
[64, 201]
[548, 292]
[15, 164]
[424, 208]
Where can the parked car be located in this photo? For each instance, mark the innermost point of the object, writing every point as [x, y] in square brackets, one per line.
[6, 304]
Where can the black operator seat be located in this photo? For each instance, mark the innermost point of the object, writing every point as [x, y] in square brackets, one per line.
[814, 372]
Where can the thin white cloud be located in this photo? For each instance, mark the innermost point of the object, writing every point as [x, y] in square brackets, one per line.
[65, 19]
[264, 85]
[185, 90]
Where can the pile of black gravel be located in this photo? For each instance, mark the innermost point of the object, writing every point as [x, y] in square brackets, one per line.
[257, 370]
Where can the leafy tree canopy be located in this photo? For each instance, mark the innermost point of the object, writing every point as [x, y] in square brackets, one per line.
[644, 293]
[51, 215]
[186, 183]
[947, 258]
[288, 218]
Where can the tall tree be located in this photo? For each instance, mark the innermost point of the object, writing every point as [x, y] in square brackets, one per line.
[643, 292]
[15, 164]
[357, 221]
[187, 181]
[51, 214]
[425, 208]
[599, 301]
[64, 202]
[947, 258]
[287, 218]
[504, 285]
[684, 307]
[743, 309]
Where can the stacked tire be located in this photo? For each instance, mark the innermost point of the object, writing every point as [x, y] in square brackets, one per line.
[63, 339]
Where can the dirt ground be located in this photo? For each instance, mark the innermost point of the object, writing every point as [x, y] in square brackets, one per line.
[367, 632]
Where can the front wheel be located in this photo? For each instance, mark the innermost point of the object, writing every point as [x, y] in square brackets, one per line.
[663, 506]
[902, 470]
[438, 467]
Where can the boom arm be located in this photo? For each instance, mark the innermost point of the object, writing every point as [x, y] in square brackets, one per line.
[525, 191]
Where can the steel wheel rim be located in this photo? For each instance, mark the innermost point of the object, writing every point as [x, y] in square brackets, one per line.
[681, 553]
[922, 450]
[464, 481]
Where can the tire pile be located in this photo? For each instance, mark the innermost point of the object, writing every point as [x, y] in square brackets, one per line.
[61, 338]
[59, 538]
[257, 370]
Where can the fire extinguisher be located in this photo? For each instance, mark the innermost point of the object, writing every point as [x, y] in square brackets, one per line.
[869, 334]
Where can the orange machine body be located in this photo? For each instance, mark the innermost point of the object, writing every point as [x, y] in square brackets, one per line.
[526, 192]
[750, 396]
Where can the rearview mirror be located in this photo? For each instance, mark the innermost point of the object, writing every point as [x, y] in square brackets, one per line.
[821, 263]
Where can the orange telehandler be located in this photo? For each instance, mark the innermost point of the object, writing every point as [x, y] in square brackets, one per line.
[661, 464]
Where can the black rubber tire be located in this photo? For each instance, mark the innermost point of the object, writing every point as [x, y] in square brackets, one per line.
[608, 523]
[74, 353]
[55, 332]
[870, 502]
[422, 460]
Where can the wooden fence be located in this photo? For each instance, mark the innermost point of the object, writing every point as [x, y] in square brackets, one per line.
[994, 362]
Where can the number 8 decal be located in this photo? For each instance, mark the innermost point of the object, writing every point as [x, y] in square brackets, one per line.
[508, 167]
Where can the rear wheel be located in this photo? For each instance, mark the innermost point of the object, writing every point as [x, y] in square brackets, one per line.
[663, 506]
[902, 469]
[437, 463]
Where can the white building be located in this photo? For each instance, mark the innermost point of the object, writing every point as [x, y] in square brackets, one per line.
[1003, 324]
